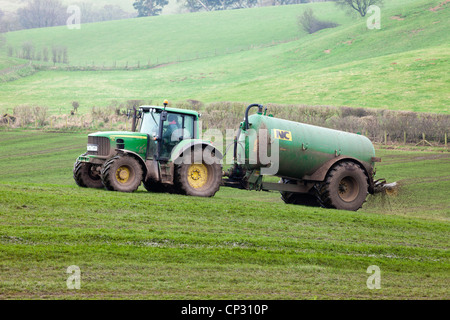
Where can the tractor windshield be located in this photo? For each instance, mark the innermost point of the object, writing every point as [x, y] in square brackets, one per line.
[150, 123]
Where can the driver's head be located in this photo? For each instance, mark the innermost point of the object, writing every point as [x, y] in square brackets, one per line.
[173, 119]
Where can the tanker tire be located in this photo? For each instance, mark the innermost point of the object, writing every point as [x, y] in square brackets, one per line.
[304, 199]
[85, 177]
[344, 188]
[122, 173]
[188, 174]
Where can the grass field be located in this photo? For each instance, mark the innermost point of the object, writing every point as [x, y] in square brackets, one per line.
[402, 66]
[236, 245]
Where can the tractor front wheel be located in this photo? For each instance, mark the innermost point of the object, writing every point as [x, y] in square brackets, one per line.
[122, 173]
[87, 175]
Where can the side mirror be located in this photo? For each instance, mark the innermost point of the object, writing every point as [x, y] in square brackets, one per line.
[164, 116]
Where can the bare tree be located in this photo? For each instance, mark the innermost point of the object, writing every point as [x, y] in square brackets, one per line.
[45, 54]
[28, 50]
[8, 22]
[311, 24]
[360, 6]
[41, 14]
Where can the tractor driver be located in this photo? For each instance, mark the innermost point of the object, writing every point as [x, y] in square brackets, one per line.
[172, 134]
[173, 127]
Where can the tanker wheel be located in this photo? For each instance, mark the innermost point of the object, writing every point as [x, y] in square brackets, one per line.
[199, 179]
[87, 175]
[345, 187]
[304, 199]
[122, 173]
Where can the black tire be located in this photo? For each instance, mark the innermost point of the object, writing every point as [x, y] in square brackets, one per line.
[304, 199]
[200, 179]
[122, 173]
[87, 175]
[345, 187]
[155, 186]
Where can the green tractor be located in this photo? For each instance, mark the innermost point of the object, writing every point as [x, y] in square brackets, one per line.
[163, 152]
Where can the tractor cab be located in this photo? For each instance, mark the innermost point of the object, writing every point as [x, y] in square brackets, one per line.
[165, 128]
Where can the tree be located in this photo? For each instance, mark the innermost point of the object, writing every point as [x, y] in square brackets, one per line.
[360, 6]
[28, 50]
[311, 24]
[8, 22]
[45, 54]
[148, 8]
[41, 14]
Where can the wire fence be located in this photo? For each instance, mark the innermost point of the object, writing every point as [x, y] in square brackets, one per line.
[150, 62]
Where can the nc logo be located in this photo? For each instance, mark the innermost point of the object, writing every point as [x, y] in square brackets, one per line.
[374, 21]
[282, 135]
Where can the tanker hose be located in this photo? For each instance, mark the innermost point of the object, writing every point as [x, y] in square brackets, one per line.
[260, 107]
[235, 144]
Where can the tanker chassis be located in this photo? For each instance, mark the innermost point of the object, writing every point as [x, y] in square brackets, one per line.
[316, 165]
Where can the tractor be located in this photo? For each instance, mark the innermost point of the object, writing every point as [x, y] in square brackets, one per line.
[161, 152]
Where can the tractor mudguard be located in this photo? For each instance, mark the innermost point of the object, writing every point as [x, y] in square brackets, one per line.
[192, 143]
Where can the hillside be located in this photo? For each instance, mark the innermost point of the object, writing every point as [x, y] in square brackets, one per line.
[248, 55]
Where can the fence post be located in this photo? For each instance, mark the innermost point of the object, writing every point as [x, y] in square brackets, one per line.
[445, 139]
[385, 137]
[404, 137]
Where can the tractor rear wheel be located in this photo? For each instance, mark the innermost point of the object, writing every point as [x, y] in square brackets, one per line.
[200, 179]
[304, 199]
[345, 187]
[122, 173]
[87, 175]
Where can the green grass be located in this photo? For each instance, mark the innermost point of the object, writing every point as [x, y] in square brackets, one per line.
[8, 62]
[236, 245]
[401, 67]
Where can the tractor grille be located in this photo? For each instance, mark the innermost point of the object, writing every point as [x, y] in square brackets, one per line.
[102, 143]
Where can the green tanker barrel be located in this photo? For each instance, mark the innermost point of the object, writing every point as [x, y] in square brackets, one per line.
[302, 148]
